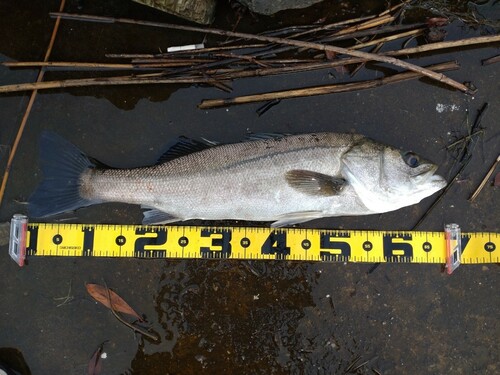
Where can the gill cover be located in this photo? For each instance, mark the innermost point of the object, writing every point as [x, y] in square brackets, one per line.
[386, 180]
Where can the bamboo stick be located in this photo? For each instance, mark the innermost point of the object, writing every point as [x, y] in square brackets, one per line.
[322, 90]
[297, 43]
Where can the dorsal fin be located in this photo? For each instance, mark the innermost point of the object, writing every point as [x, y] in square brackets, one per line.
[261, 136]
[183, 146]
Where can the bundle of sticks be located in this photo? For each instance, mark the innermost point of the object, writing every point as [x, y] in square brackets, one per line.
[288, 50]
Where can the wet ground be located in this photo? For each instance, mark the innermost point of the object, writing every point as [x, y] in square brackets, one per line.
[240, 316]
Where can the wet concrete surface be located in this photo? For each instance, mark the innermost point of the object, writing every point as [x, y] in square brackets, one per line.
[241, 316]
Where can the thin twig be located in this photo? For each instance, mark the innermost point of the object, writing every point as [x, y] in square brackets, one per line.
[377, 48]
[465, 161]
[463, 139]
[332, 26]
[359, 366]
[297, 43]
[353, 363]
[28, 108]
[131, 326]
[485, 180]
[65, 299]
[441, 195]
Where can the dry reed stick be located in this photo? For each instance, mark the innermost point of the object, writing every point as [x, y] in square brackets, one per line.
[485, 180]
[297, 43]
[142, 64]
[388, 38]
[321, 90]
[28, 108]
[245, 74]
[104, 81]
[445, 45]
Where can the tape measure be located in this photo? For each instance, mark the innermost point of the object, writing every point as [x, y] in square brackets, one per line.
[206, 242]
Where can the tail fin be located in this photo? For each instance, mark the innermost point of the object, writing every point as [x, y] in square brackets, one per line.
[62, 163]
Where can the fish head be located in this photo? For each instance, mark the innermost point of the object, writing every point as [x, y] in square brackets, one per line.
[386, 179]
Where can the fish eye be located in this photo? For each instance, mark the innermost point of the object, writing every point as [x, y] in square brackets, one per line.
[412, 160]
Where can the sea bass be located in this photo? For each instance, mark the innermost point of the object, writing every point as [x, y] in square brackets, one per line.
[285, 179]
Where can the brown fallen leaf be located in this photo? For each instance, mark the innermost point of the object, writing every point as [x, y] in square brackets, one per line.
[330, 55]
[497, 179]
[437, 22]
[95, 363]
[100, 294]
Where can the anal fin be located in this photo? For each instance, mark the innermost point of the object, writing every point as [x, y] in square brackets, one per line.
[155, 216]
[296, 217]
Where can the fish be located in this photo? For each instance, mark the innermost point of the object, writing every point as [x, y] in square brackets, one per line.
[277, 178]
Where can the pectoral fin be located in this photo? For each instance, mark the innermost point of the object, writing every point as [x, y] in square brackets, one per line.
[314, 183]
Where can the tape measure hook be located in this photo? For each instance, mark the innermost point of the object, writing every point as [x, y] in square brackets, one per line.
[453, 239]
[18, 235]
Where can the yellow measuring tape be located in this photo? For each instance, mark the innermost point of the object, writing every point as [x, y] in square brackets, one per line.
[196, 242]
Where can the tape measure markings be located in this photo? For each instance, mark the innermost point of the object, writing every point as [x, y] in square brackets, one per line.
[101, 240]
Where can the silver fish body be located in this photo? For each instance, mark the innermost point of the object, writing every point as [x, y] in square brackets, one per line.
[283, 179]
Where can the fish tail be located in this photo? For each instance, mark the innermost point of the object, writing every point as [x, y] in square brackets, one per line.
[62, 164]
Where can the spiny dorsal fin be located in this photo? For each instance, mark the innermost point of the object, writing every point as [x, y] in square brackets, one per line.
[184, 146]
[262, 136]
[314, 183]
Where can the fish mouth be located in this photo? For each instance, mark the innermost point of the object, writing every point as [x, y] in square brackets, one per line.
[428, 176]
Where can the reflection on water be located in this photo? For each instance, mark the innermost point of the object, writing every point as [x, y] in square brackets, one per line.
[212, 322]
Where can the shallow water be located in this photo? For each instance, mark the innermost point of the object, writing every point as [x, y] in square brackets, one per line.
[242, 316]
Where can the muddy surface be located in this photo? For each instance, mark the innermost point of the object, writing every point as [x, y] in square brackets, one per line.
[241, 316]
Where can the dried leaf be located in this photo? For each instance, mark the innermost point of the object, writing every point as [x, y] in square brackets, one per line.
[497, 179]
[437, 22]
[100, 294]
[330, 55]
[95, 363]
